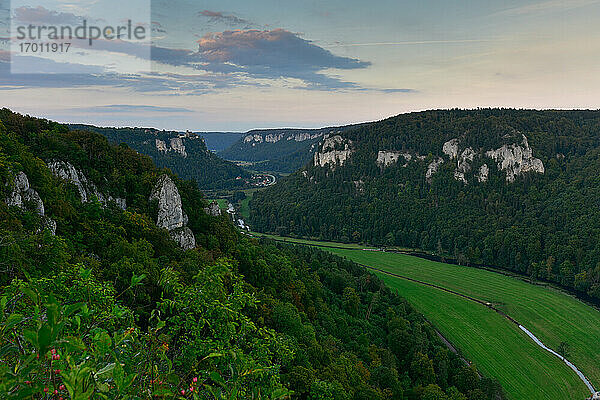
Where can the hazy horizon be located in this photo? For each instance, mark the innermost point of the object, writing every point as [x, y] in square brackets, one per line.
[236, 66]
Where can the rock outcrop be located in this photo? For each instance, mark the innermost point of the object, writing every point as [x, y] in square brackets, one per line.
[213, 209]
[516, 159]
[484, 171]
[387, 158]
[432, 168]
[170, 212]
[464, 164]
[329, 155]
[450, 148]
[87, 189]
[22, 193]
[275, 137]
[178, 146]
[253, 138]
[161, 146]
[24, 197]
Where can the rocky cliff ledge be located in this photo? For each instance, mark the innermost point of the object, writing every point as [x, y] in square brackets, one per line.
[25, 197]
[170, 212]
[87, 189]
[329, 155]
[516, 159]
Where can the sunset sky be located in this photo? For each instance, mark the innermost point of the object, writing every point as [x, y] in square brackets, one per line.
[235, 65]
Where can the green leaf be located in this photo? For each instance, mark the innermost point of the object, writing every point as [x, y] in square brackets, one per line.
[216, 377]
[31, 337]
[44, 337]
[31, 294]
[118, 375]
[135, 279]
[13, 319]
[106, 371]
[102, 342]
[213, 355]
[73, 308]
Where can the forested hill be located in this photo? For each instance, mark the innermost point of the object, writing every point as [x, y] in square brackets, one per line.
[185, 154]
[278, 150]
[517, 189]
[99, 297]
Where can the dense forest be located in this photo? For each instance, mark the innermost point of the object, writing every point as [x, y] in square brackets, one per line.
[97, 301]
[187, 156]
[458, 183]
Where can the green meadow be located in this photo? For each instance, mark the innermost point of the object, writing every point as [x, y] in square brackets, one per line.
[497, 346]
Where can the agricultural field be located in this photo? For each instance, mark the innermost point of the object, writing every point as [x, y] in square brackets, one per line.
[221, 202]
[495, 345]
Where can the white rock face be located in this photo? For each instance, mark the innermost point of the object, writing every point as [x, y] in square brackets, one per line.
[178, 147]
[516, 159]
[170, 212]
[213, 209]
[185, 237]
[301, 137]
[49, 224]
[464, 164]
[161, 146]
[276, 137]
[176, 144]
[273, 138]
[87, 189]
[253, 138]
[331, 157]
[433, 167]
[67, 171]
[483, 174]
[450, 148]
[23, 195]
[387, 158]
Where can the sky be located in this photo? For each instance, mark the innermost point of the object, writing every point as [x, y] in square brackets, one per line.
[232, 65]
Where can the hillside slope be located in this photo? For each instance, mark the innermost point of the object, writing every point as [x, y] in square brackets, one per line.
[278, 150]
[185, 154]
[512, 188]
[117, 284]
[219, 141]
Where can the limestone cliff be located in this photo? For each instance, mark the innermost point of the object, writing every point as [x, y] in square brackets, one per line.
[24, 197]
[170, 212]
[387, 158]
[87, 189]
[464, 164]
[450, 148]
[213, 209]
[516, 159]
[176, 144]
[330, 153]
[432, 168]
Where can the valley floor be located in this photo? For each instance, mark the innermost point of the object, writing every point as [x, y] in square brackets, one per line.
[498, 347]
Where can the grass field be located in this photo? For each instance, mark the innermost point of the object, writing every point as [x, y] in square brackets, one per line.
[244, 206]
[313, 242]
[497, 346]
[221, 202]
